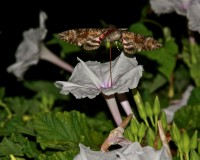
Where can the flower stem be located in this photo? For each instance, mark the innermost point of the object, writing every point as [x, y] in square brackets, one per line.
[7, 109]
[125, 104]
[47, 55]
[112, 105]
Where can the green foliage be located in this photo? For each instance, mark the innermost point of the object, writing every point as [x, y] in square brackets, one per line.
[66, 48]
[66, 155]
[45, 86]
[32, 128]
[188, 118]
[140, 28]
[191, 57]
[63, 130]
[37, 128]
[165, 57]
[194, 97]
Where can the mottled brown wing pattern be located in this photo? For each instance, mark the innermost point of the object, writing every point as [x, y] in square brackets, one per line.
[88, 38]
[133, 42]
[91, 39]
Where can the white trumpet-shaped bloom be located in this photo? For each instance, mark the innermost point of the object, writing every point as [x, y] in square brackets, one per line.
[188, 8]
[91, 78]
[32, 49]
[27, 53]
[133, 151]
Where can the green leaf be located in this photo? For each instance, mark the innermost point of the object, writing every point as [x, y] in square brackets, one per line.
[29, 148]
[181, 78]
[100, 123]
[188, 117]
[140, 28]
[195, 73]
[66, 47]
[66, 155]
[20, 105]
[155, 83]
[16, 125]
[165, 57]
[194, 97]
[8, 147]
[2, 92]
[62, 130]
[45, 86]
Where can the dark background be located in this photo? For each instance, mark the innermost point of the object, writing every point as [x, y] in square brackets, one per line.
[16, 17]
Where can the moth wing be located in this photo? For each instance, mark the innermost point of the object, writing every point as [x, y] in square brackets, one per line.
[86, 37]
[133, 42]
[94, 39]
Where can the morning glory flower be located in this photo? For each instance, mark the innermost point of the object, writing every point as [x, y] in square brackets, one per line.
[133, 151]
[178, 104]
[193, 16]
[31, 49]
[129, 150]
[168, 6]
[161, 7]
[89, 79]
[188, 8]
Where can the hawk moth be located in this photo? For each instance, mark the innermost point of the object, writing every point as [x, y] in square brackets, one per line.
[91, 39]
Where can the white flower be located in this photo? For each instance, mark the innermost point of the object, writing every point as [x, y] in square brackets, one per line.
[91, 78]
[188, 8]
[132, 151]
[168, 6]
[31, 49]
[193, 16]
[162, 6]
[27, 52]
[171, 109]
[129, 150]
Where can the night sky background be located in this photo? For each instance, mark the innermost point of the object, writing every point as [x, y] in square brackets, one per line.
[62, 15]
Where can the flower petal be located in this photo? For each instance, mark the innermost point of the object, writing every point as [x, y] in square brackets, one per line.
[19, 68]
[161, 7]
[79, 91]
[193, 16]
[132, 151]
[96, 77]
[125, 73]
[28, 51]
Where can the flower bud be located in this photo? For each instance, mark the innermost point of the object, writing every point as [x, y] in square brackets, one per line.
[140, 105]
[129, 135]
[194, 141]
[194, 155]
[142, 130]
[148, 108]
[134, 126]
[156, 106]
[159, 145]
[176, 135]
[185, 142]
[163, 119]
[150, 137]
[149, 112]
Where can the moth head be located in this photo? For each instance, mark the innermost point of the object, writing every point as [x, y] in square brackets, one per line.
[114, 36]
